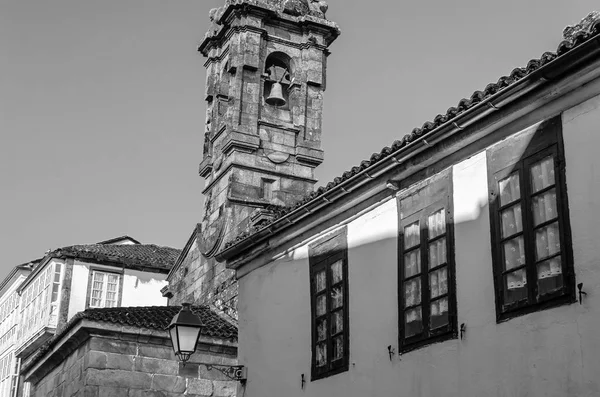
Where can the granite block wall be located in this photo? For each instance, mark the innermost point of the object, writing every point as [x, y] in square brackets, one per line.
[111, 366]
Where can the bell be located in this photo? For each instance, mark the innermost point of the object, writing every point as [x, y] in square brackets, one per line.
[276, 95]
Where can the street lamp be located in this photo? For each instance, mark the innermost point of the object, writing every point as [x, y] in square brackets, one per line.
[185, 329]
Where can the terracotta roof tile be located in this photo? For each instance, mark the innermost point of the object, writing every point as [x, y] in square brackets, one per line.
[134, 255]
[463, 105]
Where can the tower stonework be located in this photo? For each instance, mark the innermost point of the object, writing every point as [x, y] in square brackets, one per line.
[266, 62]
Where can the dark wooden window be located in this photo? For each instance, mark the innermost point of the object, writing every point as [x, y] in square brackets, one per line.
[426, 264]
[328, 259]
[531, 244]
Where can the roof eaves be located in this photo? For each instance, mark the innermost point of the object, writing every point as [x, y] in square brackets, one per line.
[570, 54]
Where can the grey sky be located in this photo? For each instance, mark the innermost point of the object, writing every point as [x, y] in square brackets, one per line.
[102, 108]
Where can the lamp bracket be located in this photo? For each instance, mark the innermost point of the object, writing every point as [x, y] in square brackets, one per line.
[233, 372]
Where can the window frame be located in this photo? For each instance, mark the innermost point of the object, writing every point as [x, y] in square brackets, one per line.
[441, 185]
[88, 302]
[323, 253]
[545, 142]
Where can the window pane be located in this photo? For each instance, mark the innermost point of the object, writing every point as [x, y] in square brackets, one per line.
[439, 313]
[320, 282]
[413, 321]
[438, 282]
[437, 253]
[547, 241]
[111, 287]
[436, 223]
[412, 263]
[542, 174]
[113, 278]
[338, 347]
[336, 272]
[321, 354]
[509, 189]
[544, 207]
[549, 274]
[511, 221]
[514, 253]
[515, 286]
[321, 330]
[98, 276]
[412, 292]
[411, 235]
[321, 304]
[337, 322]
[337, 297]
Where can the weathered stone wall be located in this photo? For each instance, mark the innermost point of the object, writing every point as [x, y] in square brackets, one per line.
[116, 367]
[203, 281]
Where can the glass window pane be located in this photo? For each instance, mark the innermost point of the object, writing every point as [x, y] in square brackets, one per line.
[542, 174]
[436, 223]
[321, 304]
[336, 272]
[514, 253]
[321, 354]
[437, 253]
[439, 313]
[113, 278]
[544, 207]
[413, 322]
[547, 241]
[412, 263]
[509, 189]
[549, 274]
[411, 235]
[338, 347]
[412, 292]
[321, 329]
[337, 322]
[511, 221]
[438, 282]
[515, 286]
[99, 276]
[337, 297]
[320, 281]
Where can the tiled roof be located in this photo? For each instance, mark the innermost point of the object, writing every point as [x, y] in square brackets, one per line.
[159, 317]
[133, 255]
[149, 317]
[452, 113]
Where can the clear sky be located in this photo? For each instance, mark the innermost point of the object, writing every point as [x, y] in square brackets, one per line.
[102, 108]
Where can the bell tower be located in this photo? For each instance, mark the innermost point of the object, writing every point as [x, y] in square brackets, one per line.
[266, 63]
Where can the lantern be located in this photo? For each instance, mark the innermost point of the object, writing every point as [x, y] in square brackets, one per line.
[185, 329]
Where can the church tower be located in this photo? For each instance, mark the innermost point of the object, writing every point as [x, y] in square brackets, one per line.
[266, 63]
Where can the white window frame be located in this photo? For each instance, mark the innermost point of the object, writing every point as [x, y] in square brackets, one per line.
[104, 289]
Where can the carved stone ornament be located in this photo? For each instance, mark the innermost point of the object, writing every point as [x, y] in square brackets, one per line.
[212, 236]
[278, 157]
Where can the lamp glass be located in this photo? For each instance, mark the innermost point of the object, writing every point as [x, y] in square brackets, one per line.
[174, 339]
[188, 337]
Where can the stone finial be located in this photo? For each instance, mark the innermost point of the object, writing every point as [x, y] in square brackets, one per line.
[583, 25]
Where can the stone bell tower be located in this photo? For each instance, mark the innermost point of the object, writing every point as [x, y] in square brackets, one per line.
[264, 91]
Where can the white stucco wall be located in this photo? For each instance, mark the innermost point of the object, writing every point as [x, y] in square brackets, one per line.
[143, 288]
[139, 288]
[548, 353]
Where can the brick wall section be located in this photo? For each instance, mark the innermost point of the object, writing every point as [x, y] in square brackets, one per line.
[117, 367]
[204, 281]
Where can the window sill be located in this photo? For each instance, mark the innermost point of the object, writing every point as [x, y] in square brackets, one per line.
[327, 374]
[429, 341]
[561, 300]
